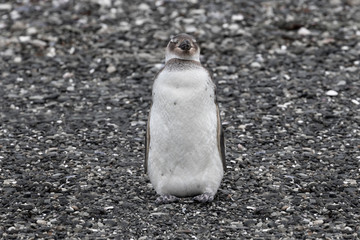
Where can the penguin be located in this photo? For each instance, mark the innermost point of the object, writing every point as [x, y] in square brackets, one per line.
[185, 145]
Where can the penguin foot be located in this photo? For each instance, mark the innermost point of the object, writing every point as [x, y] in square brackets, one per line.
[204, 198]
[164, 199]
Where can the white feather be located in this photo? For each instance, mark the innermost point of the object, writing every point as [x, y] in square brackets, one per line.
[184, 159]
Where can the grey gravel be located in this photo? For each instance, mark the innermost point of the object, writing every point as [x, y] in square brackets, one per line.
[75, 92]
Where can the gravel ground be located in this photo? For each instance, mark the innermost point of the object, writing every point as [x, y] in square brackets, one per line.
[75, 91]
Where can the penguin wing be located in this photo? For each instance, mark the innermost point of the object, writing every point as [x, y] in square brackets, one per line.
[220, 138]
[147, 142]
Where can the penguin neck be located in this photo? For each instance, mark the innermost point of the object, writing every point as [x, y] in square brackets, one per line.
[170, 56]
[177, 64]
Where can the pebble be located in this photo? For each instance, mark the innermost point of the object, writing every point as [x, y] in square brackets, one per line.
[31, 31]
[24, 39]
[51, 52]
[190, 28]
[8, 182]
[350, 182]
[72, 50]
[332, 93]
[158, 213]
[255, 65]
[341, 83]
[68, 75]
[353, 2]
[111, 69]
[356, 102]
[335, 2]
[18, 59]
[161, 35]
[237, 17]
[38, 43]
[15, 15]
[318, 222]
[70, 88]
[304, 31]
[144, 7]
[41, 222]
[104, 3]
[5, 6]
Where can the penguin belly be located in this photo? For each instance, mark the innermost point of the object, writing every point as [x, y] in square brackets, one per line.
[184, 159]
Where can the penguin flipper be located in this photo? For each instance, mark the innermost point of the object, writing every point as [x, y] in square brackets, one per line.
[147, 143]
[220, 138]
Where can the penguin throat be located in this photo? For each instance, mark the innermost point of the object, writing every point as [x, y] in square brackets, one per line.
[170, 56]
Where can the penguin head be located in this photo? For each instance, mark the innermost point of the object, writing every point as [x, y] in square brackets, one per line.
[183, 46]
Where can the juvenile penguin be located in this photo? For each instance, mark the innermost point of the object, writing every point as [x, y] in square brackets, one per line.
[185, 147]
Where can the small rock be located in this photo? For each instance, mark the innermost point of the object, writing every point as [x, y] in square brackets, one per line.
[281, 50]
[158, 214]
[241, 147]
[355, 102]
[255, 65]
[24, 39]
[341, 83]
[249, 222]
[353, 2]
[17, 59]
[5, 6]
[68, 75]
[335, 2]
[31, 31]
[161, 35]
[304, 31]
[8, 182]
[251, 208]
[51, 52]
[237, 17]
[75, 208]
[352, 69]
[104, 3]
[332, 93]
[144, 7]
[2, 25]
[72, 50]
[318, 222]
[190, 29]
[111, 69]
[38, 43]
[70, 88]
[36, 97]
[41, 222]
[233, 27]
[15, 15]
[350, 182]
[11, 229]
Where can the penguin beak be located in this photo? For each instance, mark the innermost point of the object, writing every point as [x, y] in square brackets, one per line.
[185, 45]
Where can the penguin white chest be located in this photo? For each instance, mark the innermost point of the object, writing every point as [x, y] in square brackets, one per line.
[184, 159]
